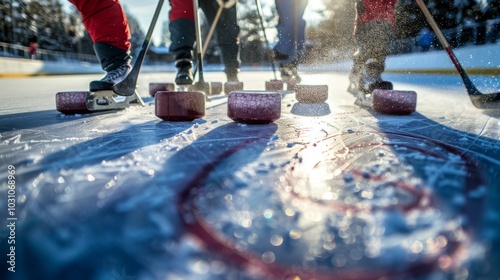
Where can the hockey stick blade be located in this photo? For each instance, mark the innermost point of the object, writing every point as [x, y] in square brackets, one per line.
[478, 99]
[127, 86]
[486, 101]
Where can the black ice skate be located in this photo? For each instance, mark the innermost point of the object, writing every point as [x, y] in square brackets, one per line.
[368, 79]
[112, 77]
[232, 74]
[184, 72]
[364, 80]
[373, 77]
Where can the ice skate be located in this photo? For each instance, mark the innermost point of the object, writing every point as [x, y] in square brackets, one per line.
[184, 72]
[367, 79]
[112, 77]
[232, 74]
[373, 77]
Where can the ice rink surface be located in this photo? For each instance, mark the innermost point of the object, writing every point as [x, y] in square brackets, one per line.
[329, 191]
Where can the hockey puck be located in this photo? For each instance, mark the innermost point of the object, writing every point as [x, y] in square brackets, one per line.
[394, 102]
[155, 87]
[274, 85]
[232, 86]
[179, 105]
[201, 86]
[254, 106]
[72, 102]
[311, 93]
[215, 88]
[291, 83]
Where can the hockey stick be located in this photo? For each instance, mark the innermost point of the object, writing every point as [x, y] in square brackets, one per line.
[222, 6]
[479, 100]
[268, 50]
[126, 87]
[199, 44]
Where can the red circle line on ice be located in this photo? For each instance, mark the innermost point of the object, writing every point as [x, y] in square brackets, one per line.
[422, 198]
[214, 240]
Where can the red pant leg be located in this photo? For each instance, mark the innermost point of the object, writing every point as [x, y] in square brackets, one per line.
[181, 9]
[105, 21]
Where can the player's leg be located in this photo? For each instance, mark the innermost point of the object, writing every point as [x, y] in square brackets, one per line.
[290, 14]
[373, 45]
[375, 21]
[227, 33]
[379, 35]
[300, 36]
[356, 81]
[291, 36]
[107, 25]
[360, 56]
[182, 35]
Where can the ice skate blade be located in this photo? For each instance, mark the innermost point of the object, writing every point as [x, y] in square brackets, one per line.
[108, 100]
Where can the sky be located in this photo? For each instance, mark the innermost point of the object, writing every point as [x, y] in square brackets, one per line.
[143, 11]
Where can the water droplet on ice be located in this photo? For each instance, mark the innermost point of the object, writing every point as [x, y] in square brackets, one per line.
[276, 240]
[268, 213]
[295, 234]
[201, 267]
[268, 257]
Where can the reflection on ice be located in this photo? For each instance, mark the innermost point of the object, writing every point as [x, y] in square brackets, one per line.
[338, 212]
